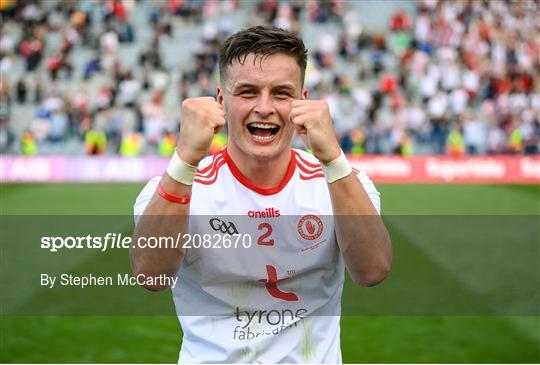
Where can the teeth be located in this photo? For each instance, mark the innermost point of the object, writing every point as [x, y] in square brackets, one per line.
[261, 138]
[263, 126]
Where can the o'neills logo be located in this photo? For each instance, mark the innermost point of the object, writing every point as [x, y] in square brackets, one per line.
[267, 213]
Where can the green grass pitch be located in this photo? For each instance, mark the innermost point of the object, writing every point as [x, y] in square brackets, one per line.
[373, 339]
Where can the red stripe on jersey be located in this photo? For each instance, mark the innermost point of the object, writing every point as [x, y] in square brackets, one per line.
[248, 184]
[211, 164]
[314, 171]
[307, 163]
[218, 161]
[213, 177]
[308, 171]
[316, 176]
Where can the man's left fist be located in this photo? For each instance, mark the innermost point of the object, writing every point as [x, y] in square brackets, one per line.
[312, 118]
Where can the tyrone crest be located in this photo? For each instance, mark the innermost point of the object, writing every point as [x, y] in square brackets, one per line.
[310, 227]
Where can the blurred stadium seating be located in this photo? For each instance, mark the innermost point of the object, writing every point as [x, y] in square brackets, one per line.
[402, 77]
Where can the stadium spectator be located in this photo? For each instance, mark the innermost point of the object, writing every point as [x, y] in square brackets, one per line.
[6, 134]
[131, 144]
[95, 141]
[455, 144]
[38, 90]
[29, 145]
[401, 21]
[21, 91]
[474, 133]
[128, 90]
[154, 122]
[167, 144]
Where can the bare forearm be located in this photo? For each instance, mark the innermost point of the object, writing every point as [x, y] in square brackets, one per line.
[161, 218]
[363, 239]
[201, 119]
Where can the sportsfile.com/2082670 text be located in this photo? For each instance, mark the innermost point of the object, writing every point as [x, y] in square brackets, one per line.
[118, 240]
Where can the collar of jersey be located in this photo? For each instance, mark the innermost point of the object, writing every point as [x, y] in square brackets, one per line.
[250, 185]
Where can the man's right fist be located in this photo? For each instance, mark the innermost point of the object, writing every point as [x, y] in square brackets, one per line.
[201, 119]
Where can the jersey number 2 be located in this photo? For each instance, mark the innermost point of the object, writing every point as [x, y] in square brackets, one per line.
[263, 239]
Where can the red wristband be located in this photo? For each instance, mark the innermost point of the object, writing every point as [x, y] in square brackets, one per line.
[180, 199]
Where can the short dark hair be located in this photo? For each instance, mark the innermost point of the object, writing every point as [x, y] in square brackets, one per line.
[261, 41]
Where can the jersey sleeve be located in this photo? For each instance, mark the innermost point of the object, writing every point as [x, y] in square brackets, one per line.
[144, 197]
[370, 189]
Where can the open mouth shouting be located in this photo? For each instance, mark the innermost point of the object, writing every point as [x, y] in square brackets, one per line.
[263, 133]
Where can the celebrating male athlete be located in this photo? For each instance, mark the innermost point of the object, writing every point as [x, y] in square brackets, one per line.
[275, 296]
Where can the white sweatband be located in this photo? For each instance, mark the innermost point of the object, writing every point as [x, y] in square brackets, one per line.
[337, 169]
[181, 171]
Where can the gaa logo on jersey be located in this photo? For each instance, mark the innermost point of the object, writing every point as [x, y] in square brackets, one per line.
[310, 227]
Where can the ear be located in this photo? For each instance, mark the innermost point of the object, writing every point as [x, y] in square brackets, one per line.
[220, 99]
[304, 94]
[219, 94]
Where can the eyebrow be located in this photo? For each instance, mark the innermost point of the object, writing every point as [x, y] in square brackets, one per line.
[240, 85]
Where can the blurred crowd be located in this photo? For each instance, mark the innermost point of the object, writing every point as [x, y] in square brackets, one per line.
[450, 77]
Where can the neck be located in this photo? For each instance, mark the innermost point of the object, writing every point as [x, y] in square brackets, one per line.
[265, 173]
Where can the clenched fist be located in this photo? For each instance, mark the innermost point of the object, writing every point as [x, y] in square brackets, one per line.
[312, 118]
[201, 119]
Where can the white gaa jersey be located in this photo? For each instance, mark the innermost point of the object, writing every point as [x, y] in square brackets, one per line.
[266, 287]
